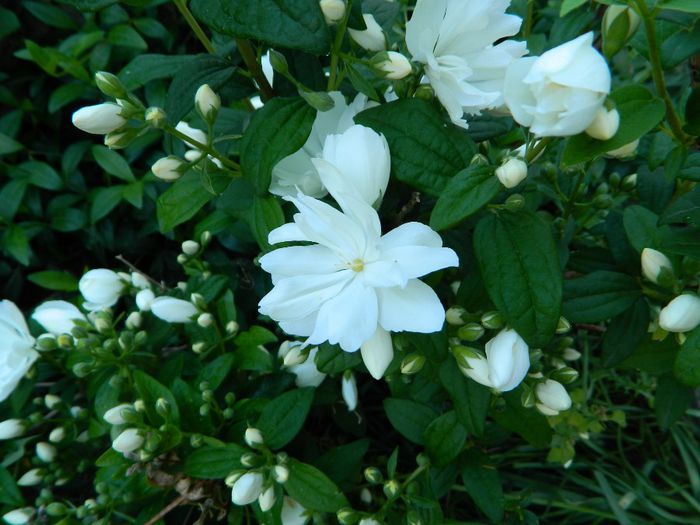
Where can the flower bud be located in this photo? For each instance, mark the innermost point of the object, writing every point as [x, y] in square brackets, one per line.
[57, 435]
[565, 375]
[372, 38]
[231, 479]
[31, 477]
[172, 310]
[492, 320]
[391, 488]
[144, 298]
[45, 452]
[454, 315]
[163, 407]
[19, 516]
[471, 332]
[571, 354]
[553, 397]
[51, 401]
[207, 102]
[682, 314]
[369, 521]
[267, 499]
[231, 327]
[619, 24]
[605, 124]
[623, 152]
[100, 288]
[280, 474]
[199, 347]
[373, 475]
[365, 496]
[333, 10]
[205, 320]
[168, 168]
[512, 172]
[250, 460]
[46, 342]
[120, 139]
[190, 247]
[12, 428]
[133, 321]
[563, 326]
[247, 488]
[505, 365]
[296, 355]
[514, 202]
[653, 263]
[198, 300]
[128, 441]
[412, 364]
[346, 516]
[110, 85]
[392, 65]
[155, 117]
[253, 437]
[99, 119]
[349, 390]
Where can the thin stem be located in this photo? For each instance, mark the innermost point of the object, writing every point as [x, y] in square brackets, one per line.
[194, 25]
[403, 486]
[251, 62]
[658, 73]
[202, 147]
[335, 50]
[529, 19]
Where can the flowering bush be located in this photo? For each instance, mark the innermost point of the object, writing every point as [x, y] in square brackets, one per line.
[357, 262]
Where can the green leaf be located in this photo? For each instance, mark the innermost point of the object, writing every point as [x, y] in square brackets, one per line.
[682, 241]
[215, 372]
[9, 23]
[10, 494]
[54, 280]
[625, 332]
[692, 113]
[483, 484]
[655, 357]
[293, 24]
[214, 462]
[277, 130]
[466, 193]
[8, 145]
[312, 488]
[126, 36]
[527, 422]
[145, 68]
[50, 15]
[185, 198]
[112, 162]
[426, 152]
[640, 112]
[344, 462]
[671, 401]
[641, 228]
[599, 296]
[688, 6]
[42, 175]
[520, 267]
[569, 5]
[16, 243]
[330, 359]
[687, 365]
[283, 417]
[11, 196]
[409, 418]
[471, 400]
[680, 46]
[104, 200]
[685, 209]
[150, 391]
[444, 438]
[265, 215]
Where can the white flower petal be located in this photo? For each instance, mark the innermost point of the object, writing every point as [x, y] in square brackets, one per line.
[415, 308]
[417, 261]
[300, 260]
[411, 234]
[57, 317]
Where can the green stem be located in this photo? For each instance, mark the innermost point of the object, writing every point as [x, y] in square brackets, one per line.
[529, 19]
[194, 25]
[202, 147]
[251, 62]
[403, 486]
[658, 73]
[335, 50]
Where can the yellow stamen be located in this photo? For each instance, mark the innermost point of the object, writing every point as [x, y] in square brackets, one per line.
[357, 265]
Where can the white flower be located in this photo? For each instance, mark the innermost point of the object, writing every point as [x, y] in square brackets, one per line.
[680, 315]
[372, 38]
[605, 124]
[20, 516]
[506, 364]
[358, 161]
[293, 513]
[16, 352]
[144, 299]
[553, 398]
[100, 288]
[333, 10]
[57, 317]
[393, 65]
[353, 285]
[296, 171]
[454, 40]
[653, 262]
[207, 102]
[247, 488]
[115, 415]
[558, 94]
[349, 390]
[512, 172]
[168, 168]
[99, 119]
[267, 499]
[12, 428]
[128, 441]
[173, 310]
[307, 374]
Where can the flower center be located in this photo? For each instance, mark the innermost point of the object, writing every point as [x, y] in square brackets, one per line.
[357, 265]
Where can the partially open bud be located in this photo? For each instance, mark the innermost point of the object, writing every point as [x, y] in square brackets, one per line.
[372, 38]
[349, 390]
[19, 516]
[553, 398]
[120, 139]
[492, 320]
[654, 263]
[296, 355]
[168, 168]
[392, 65]
[207, 102]
[115, 415]
[333, 10]
[605, 124]
[280, 474]
[412, 364]
[12, 428]
[373, 475]
[99, 119]
[173, 310]
[391, 488]
[454, 315]
[505, 365]
[471, 332]
[619, 24]
[155, 117]
[128, 441]
[267, 499]
[247, 488]
[512, 172]
[682, 314]
[253, 437]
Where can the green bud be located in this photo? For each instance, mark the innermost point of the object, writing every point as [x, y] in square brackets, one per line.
[603, 201]
[82, 369]
[197, 299]
[492, 320]
[126, 340]
[413, 518]
[196, 440]
[141, 338]
[347, 516]
[251, 460]
[204, 410]
[563, 326]
[463, 353]
[425, 92]
[514, 202]
[121, 139]
[319, 100]
[615, 180]
[629, 182]
[391, 488]
[471, 332]
[479, 160]
[278, 62]
[163, 407]
[565, 375]
[46, 342]
[228, 413]
[455, 315]
[230, 398]
[412, 364]
[207, 396]
[55, 509]
[527, 398]
[110, 85]
[373, 475]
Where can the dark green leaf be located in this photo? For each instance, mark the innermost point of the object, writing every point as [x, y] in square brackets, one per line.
[54, 280]
[692, 113]
[343, 463]
[265, 215]
[471, 400]
[687, 365]
[330, 359]
[16, 243]
[641, 227]
[599, 296]
[283, 417]
[444, 438]
[8, 145]
[126, 36]
[527, 422]
[625, 332]
[312, 488]
[215, 372]
[42, 175]
[104, 200]
[144, 68]
[113, 163]
[685, 209]
[150, 391]
[671, 401]
[483, 484]
[185, 198]
[10, 494]
[409, 418]
[214, 462]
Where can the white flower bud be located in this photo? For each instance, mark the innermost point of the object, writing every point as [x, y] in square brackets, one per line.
[280, 474]
[57, 435]
[101, 289]
[199, 347]
[253, 437]
[372, 38]
[349, 390]
[653, 262]
[512, 172]
[605, 124]
[247, 488]
[19, 516]
[231, 327]
[307, 373]
[45, 452]
[168, 168]
[682, 314]
[333, 10]
[293, 513]
[190, 247]
[99, 119]
[173, 310]
[615, 37]
[128, 441]
[144, 299]
[207, 102]
[31, 477]
[369, 521]
[140, 281]
[205, 320]
[365, 496]
[267, 499]
[51, 401]
[296, 355]
[114, 416]
[454, 315]
[412, 364]
[12, 428]
[553, 397]
[625, 151]
[134, 320]
[392, 65]
[505, 365]
[570, 354]
[231, 479]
